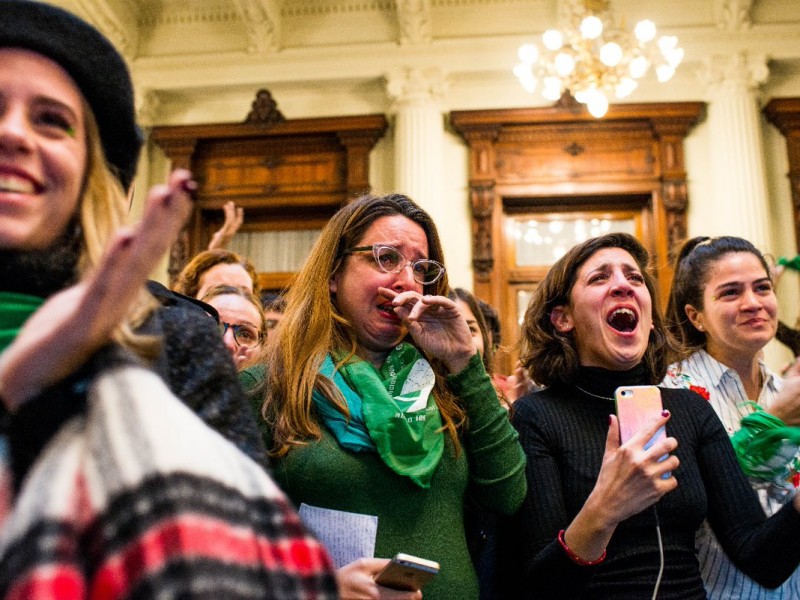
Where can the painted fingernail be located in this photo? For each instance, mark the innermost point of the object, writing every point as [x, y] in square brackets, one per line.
[126, 241]
[665, 413]
[190, 187]
[610, 420]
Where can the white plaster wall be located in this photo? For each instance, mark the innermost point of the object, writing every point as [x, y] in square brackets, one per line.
[334, 63]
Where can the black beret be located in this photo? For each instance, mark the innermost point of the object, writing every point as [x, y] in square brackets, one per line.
[93, 63]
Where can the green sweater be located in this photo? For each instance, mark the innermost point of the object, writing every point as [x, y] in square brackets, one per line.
[427, 523]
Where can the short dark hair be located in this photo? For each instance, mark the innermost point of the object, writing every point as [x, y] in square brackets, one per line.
[492, 322]
[470, 300]
[273, 301]
[551, 356]
[695, 260]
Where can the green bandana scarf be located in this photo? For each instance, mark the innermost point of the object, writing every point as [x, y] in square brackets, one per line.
[14, 311]
[398, 413]
[766, 447]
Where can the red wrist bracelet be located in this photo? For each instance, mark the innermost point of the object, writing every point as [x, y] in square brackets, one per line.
[574, 557]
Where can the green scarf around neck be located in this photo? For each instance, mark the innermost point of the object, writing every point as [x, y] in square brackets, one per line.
[392, 411]
[15, 309]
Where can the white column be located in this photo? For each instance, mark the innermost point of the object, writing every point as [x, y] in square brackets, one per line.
[418, 136]
[740, 201]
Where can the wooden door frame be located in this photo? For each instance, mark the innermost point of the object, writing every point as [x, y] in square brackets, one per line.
[635, 207]
[566, 139]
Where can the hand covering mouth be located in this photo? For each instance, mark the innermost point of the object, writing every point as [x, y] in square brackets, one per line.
[623, 320]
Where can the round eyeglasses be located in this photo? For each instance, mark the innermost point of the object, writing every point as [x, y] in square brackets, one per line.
[244, 335]
[391, 260]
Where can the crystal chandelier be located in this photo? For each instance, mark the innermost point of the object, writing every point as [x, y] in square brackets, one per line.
[595, 60]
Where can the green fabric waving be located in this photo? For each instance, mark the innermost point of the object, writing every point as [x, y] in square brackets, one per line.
[15, 309]
[766, 447]
[399, 411]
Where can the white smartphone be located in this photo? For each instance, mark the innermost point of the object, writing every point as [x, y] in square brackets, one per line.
[636, 406]
[406, 572]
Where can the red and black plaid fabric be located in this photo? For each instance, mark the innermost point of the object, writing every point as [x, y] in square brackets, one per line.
[137, 498]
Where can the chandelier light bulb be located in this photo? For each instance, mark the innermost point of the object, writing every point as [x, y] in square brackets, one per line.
[552, 88]
[528, 53]
[611, 54]
[598, 105]
[664, 73]
[667, 43]
[675, 57]
[526, 77]
[596, 59]
[645, 31]
[564, 63]
[638, 66]
[552, 39]
[625, 87]
[582, 96]
[591, 27]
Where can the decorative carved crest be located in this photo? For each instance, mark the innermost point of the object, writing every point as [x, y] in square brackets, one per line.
[567, 101]
[264, 110]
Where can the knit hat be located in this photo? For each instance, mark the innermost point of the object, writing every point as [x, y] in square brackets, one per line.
[93, 63]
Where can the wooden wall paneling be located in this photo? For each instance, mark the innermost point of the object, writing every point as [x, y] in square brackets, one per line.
[560, 156]
[285, 173]
[784, 113]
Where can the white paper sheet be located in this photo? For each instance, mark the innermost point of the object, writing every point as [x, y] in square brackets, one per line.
[347, 536]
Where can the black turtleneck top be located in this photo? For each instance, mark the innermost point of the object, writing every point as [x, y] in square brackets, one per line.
[563, 431]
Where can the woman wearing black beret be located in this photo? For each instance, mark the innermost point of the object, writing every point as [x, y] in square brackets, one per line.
[112, 486]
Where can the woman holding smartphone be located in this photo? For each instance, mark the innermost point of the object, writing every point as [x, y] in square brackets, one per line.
[379, 405]
[722, 308]
[604, 519]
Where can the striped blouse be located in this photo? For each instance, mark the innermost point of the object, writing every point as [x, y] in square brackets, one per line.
[724, 390]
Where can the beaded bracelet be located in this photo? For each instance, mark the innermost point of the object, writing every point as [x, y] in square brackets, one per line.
[577, 559]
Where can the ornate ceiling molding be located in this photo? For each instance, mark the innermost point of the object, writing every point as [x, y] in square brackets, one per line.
[117, 21]
[733, 15]
[304, 8]
[199, 13]
[262, 21]
[414, 18]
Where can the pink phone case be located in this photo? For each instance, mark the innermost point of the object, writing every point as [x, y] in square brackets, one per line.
[636, 405]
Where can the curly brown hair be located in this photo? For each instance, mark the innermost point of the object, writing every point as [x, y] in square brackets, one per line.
[551, 356]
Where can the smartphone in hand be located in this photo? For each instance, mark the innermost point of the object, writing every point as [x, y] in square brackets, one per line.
[636, 406]
[406, 572]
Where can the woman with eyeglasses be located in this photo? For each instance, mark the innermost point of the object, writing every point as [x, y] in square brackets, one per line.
[379, 405]
[241, 320]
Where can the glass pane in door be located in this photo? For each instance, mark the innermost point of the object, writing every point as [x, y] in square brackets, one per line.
[542, 241]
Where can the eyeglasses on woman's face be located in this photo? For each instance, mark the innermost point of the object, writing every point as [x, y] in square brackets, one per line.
[391, 260]
[246, 336]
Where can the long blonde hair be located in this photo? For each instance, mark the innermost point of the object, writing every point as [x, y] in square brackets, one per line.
[312, 326]
[102, 210]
